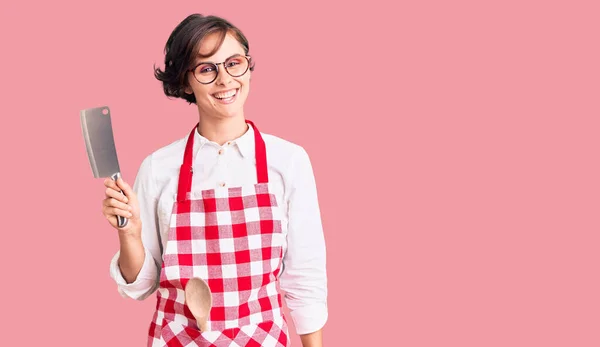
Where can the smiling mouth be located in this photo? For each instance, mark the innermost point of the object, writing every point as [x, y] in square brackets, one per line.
[226, 96]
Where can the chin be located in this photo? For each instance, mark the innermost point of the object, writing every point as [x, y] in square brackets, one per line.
[231, 113]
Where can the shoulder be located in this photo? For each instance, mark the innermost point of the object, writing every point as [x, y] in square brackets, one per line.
[283, 150]
[289, 158]
[162, 160]
[166, 154]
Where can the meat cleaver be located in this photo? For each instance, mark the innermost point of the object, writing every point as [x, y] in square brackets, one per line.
[100, 145]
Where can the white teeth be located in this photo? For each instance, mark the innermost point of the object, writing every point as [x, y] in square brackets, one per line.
[225, 95]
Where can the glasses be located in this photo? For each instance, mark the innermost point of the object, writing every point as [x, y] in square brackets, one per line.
[236, 66]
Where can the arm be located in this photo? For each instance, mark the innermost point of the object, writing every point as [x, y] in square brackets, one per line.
[132, 255]
[135, 267]
[313, 339]
[304, 277]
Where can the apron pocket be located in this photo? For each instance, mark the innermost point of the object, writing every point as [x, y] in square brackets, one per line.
[172, 331]
[268, 334]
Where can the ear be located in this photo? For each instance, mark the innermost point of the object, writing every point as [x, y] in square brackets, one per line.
[187, 89]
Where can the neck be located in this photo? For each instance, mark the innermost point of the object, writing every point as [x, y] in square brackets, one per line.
[221, 130]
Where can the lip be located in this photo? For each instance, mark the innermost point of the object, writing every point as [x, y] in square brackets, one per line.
[226, 90]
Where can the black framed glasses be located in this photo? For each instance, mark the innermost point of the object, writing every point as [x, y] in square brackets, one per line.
[236, 66]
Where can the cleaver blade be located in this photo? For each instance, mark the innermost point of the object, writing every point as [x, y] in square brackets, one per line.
[97, 132]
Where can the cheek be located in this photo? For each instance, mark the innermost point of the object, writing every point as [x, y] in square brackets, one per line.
[245, 85]
[203, 94]
[244, 80]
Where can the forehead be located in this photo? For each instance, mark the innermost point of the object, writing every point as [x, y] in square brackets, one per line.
[229, 47]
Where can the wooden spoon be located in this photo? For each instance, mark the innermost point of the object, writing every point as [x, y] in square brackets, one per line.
[198, 298]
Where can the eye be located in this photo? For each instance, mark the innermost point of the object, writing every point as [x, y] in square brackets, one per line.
[234, 62]
[203, 69]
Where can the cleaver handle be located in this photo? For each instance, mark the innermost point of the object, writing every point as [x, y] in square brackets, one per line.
[121, 221]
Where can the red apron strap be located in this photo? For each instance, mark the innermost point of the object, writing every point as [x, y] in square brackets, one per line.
[261, 155]
[186, 172]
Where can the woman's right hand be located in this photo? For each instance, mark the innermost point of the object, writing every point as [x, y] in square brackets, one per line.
[116, 204]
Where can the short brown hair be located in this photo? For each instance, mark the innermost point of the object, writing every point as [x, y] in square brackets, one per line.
[182, 48]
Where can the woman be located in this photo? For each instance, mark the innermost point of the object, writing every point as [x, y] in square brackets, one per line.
[225, 203]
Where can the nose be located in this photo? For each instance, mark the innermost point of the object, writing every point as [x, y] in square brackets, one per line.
[223, 78]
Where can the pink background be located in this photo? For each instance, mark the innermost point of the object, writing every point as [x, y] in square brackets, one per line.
[455, 146]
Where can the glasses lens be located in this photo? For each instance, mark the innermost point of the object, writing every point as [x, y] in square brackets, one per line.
[237, 66]
[205, 73]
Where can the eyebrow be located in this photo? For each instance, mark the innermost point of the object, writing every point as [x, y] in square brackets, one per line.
[212, 62]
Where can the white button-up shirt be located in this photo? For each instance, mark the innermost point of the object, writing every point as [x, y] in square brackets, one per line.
[291, 177]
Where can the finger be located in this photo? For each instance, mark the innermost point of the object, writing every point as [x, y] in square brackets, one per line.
[116, 203]
[124, 187]
[115, 194]
[118, 212]
[112, 219]
[109, 183]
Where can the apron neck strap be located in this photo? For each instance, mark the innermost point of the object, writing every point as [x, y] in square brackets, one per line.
[186, 171]
[260, 151]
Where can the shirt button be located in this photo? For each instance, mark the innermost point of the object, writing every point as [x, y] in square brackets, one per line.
[229, 143]
[221, 152]
[222, 184]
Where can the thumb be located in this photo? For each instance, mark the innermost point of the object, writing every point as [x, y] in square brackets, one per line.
[125, 188]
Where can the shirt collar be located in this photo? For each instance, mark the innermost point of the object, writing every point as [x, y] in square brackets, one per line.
[244, 143]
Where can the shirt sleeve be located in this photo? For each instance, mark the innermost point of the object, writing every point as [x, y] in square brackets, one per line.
[147, 280]
[304, 276]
